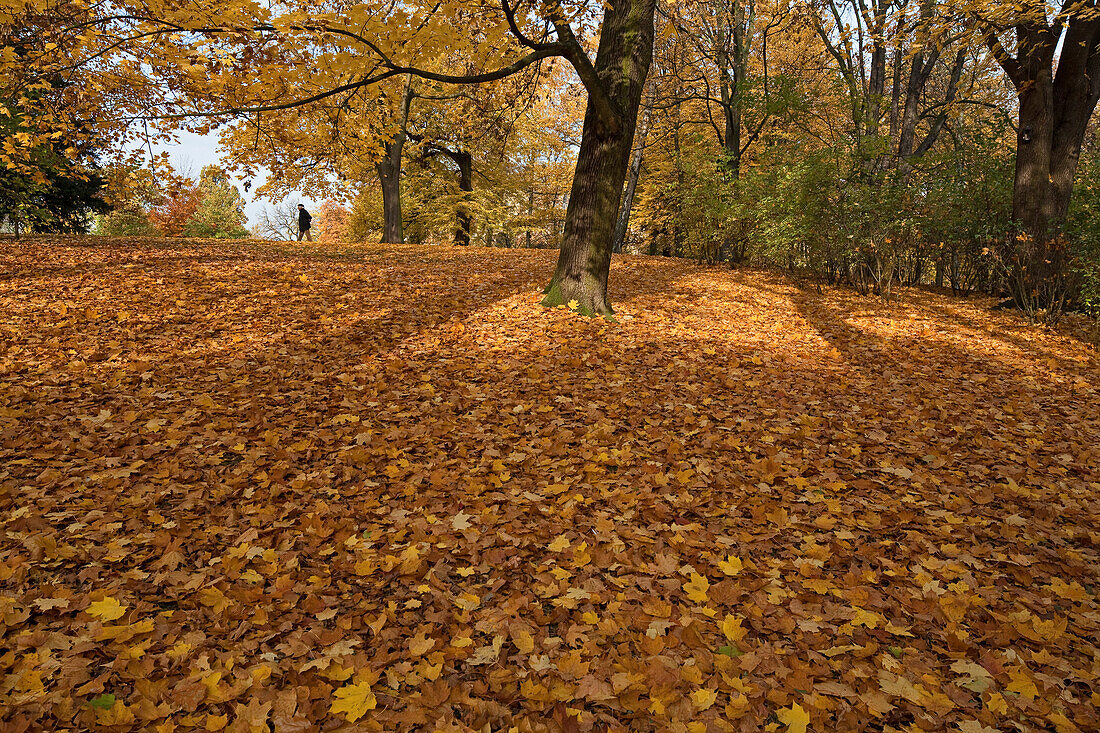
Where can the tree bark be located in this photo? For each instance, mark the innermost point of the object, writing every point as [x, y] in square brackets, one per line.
[465, 164]
[732, 70]
[389, 174]
[1032, 202]
[614, 84]
[1076, 93]
[1054, 112]
[631, 184]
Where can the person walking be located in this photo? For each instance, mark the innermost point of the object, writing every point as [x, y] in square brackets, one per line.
[304, 220]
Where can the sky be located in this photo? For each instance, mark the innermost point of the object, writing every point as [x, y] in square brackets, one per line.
[195, 151]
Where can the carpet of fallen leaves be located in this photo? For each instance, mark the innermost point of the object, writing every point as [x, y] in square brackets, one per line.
[261, 487]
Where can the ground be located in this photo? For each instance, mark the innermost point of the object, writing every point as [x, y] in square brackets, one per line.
[274, 487]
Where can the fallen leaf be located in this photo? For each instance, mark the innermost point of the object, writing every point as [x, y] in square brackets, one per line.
[354, 701]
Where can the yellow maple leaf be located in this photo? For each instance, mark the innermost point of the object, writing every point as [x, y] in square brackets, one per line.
[703, 699]
[430, 672]
[354, 701]
[421, 644]
[335, 672]
[732, 628]
[581, 556]
[864, 617]
[573, 305]
[696, 588]
[1070, 591]
[179, 650]
[732, 565]
[467, 601]
[1022, 684]
[523, 641]
[1062, 724]
[558, 544]
[108, 609]
[795, 718]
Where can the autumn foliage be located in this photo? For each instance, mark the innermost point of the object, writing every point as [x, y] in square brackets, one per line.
[263, 487]
[176, 209]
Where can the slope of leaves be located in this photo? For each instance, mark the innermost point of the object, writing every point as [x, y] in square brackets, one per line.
[258, 487]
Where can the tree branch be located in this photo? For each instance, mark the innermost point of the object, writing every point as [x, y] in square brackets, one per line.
[598, 95]
[1011, 65]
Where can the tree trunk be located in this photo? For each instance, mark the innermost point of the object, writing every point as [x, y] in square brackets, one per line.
[530, 215]
[1031, 190]
[1076, 93]
[631, 184]
[614, 95]
[466, 185]
[389, 174]
[678, 221]
[1055, 108]
[732, 63]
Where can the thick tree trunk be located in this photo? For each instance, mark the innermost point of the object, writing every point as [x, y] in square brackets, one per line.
[895, 88]
[918, 75]
[585, 258]
[389, 173]
[622, 63]
[389, 176]
[876, 92]
[1076, 93]
[1032, 202]
[1055, 107]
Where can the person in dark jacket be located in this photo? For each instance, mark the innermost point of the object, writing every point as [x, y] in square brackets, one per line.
[304, 220]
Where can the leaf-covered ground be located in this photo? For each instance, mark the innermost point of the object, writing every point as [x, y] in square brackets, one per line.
[259, 487]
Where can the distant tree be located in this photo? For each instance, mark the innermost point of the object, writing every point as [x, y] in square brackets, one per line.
[125, 223]
[279, 222]
[131, 191]
[334, 219]
[220, 209]
[180, 202]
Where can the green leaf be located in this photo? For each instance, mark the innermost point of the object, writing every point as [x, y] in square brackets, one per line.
[895, 650]
[106, 701]
[730, 651]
